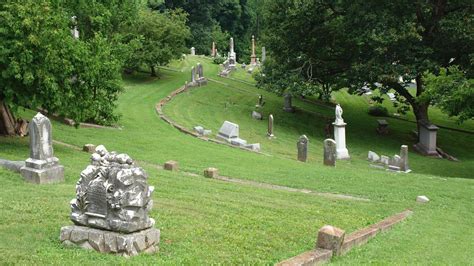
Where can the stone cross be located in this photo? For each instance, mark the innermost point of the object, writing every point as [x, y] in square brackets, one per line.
[42, 166]
[253, 57]
[404, 158]
[288, 107]
[264, 55]
[330, 152]
[270, 126]
[302, 146]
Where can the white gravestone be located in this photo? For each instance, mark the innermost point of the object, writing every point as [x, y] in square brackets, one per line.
[193, 51]
[340, 135]
[42, 166]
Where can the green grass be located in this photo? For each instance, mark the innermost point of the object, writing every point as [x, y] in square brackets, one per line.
[209, 221]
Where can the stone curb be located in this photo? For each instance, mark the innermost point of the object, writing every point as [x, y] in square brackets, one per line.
[321, 255]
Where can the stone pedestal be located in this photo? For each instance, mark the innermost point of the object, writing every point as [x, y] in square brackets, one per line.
[53, 174]
[340, 138]
[427, 139]
[111, 242]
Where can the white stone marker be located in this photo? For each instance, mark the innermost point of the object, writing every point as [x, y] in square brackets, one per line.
[340, 135]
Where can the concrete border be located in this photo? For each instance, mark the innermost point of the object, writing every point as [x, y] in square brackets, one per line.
[321, 255]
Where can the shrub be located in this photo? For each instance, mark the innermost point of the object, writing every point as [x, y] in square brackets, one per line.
[378, 110]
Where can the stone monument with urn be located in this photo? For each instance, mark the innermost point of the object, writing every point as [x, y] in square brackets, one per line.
[340, 135]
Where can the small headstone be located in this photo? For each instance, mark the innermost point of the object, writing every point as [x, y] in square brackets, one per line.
[373, 157]
[270, 126]
[199, 130]
[427, 139]
[90, 148]
[331, 238]
[302, 146]
[211, 172]
[193, 51]
[288, 106]
[404, 158]
[42, 166]
[253, 146]
[228, 130]
[171, 166]
[384, 159]
[422, 199]
[330, 154]
[257, 115]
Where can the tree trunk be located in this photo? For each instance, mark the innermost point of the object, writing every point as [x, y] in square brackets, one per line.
[153, 71]
[7, 121]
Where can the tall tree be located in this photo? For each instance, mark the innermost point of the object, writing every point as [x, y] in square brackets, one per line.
[372, 42]
[42, 65]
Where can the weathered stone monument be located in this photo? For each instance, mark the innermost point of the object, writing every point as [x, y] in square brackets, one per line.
[197, 76]
[260, 102]
[232, 58]
[42, 167]
[110, 211]
[427, 139]
[330, 152]
[302, 146]
[340, 135]
[264, 55]
[193, 76]
[288, 106]
[253, 56]
[404, 158]
[193, 51]
[270, 126]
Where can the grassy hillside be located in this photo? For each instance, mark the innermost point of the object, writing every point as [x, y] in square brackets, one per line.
[209, 221]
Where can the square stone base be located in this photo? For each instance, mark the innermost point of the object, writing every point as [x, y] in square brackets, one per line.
[48, 175]
[111, 242]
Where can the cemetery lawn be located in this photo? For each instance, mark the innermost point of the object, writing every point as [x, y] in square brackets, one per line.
[207, 221]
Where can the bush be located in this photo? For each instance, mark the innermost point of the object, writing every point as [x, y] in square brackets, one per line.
[378, 110]
[219, 60]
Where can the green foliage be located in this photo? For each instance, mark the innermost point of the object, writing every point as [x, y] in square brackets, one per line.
[219, 59]
[355, 43]
[378, 110]
[452, 91]
[159, 37]
[42, 65]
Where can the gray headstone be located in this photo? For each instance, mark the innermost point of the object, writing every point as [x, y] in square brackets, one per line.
[270, 126]
[330, 152]
[384, 159]
[200, 71]
[264, 54]
[193, 75]
[427, 138]
[302, 146]
[288, 106]
[257, 115]
[42, 166]
[404, 158]
[229, 130]
[373, 157]
[116, 192]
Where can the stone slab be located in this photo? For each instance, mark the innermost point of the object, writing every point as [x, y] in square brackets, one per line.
[211, 172]
[104, 241]
[14, 166]
[171, 166]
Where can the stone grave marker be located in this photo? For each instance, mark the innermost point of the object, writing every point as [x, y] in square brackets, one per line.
[330, 153]
[42, 166]
[270, 126]
[302, 146]
[288, 106]
[340, 134]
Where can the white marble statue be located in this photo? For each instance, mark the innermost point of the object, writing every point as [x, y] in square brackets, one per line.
[339, 119]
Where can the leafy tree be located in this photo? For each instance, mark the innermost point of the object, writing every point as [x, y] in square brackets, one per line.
[43, 66]
[162, 38]
[451, 91]
[384, 45]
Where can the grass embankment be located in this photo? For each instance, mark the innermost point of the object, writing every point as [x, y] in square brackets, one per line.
[205, 221]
